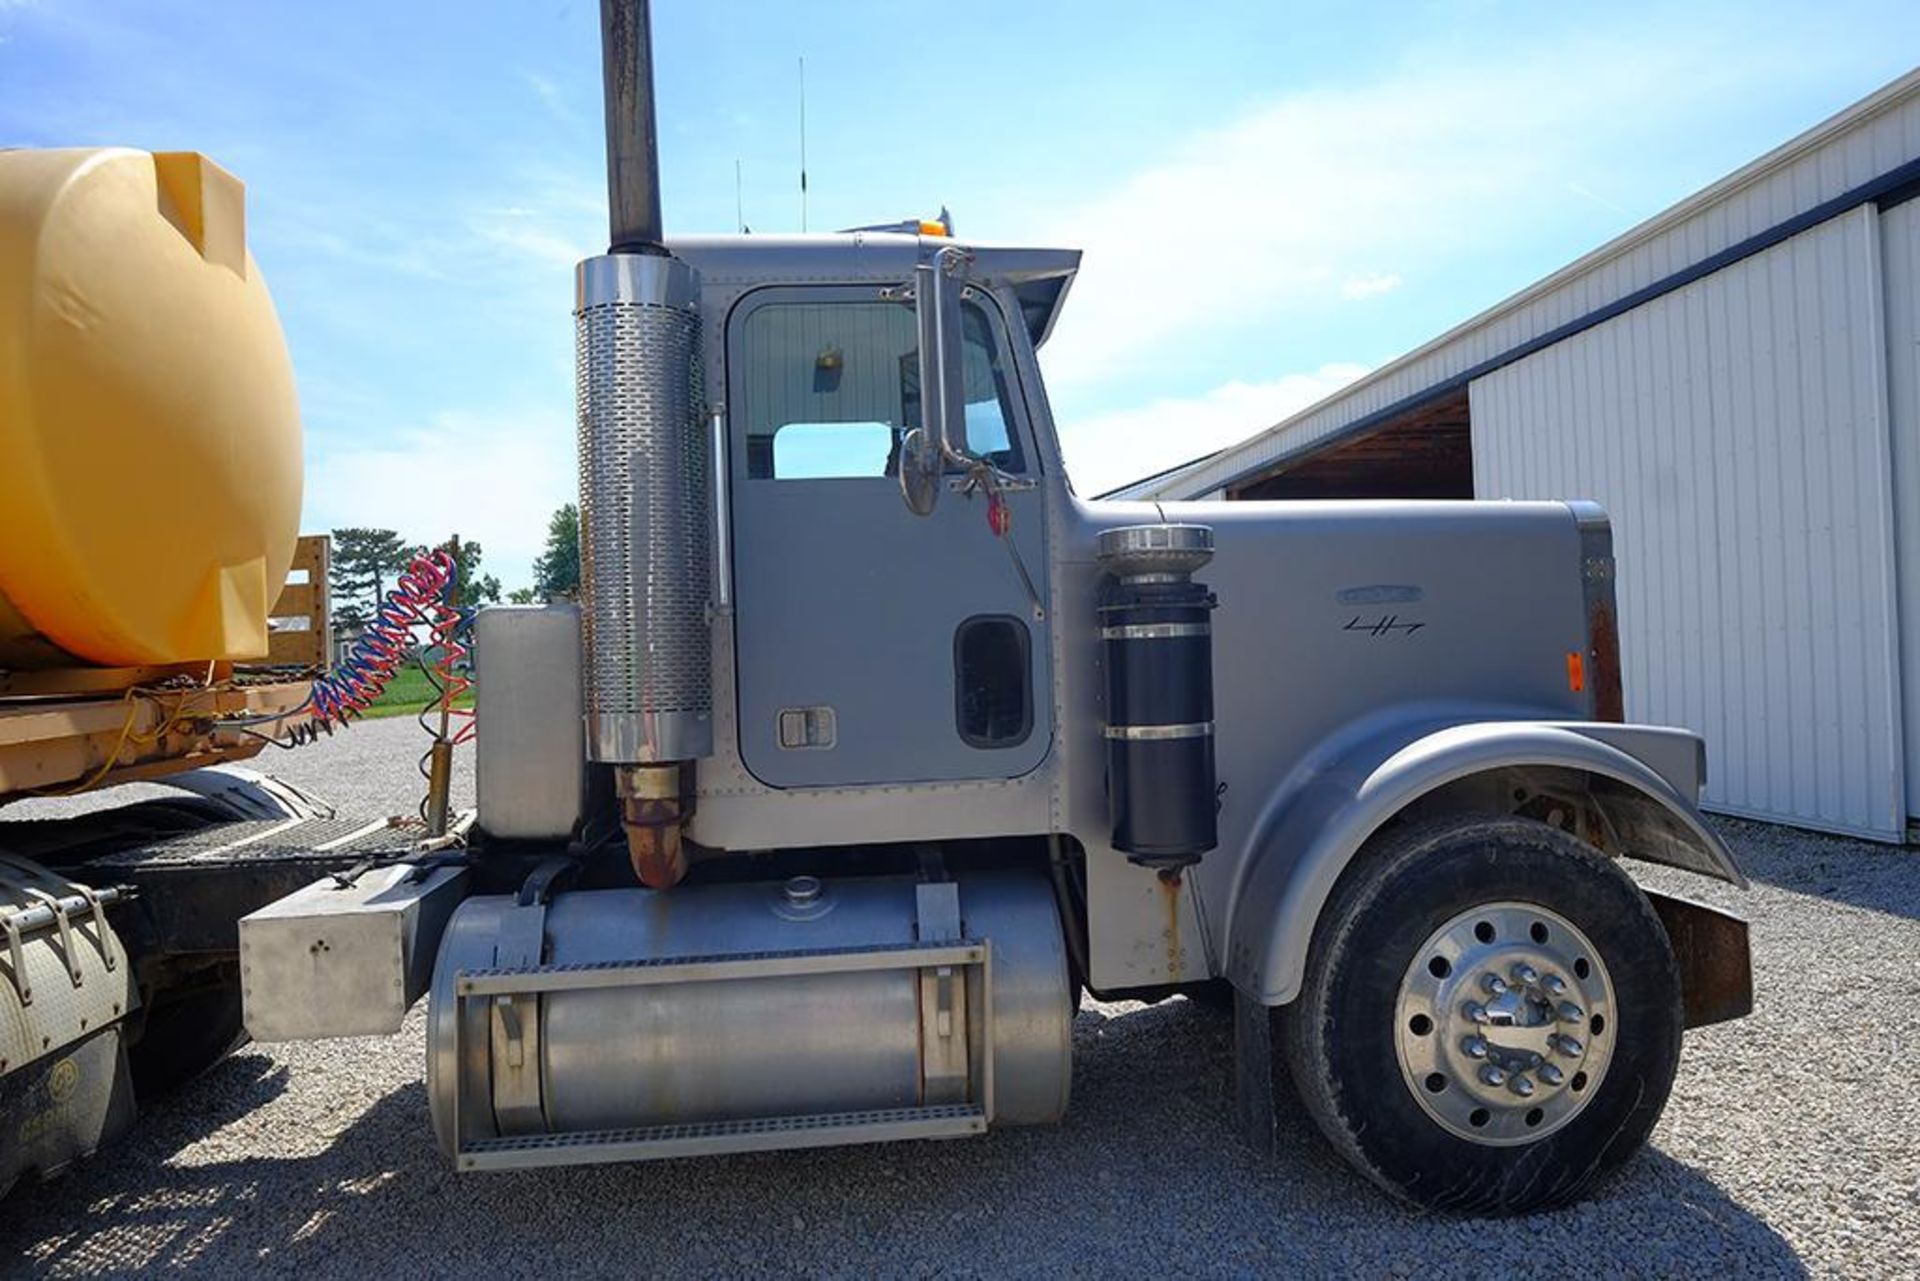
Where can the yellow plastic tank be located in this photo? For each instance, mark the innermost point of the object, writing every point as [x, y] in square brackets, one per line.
[149, 430]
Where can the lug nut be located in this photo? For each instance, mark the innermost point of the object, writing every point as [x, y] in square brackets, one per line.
[1524, 973]
[1521, 1086]
[1474, 1048]
[1475, 1012]
[1555, 984]
[1571, 1013]
[1493, 1075]
[1551, 1074]
[1494, 984]
[1567, 1045]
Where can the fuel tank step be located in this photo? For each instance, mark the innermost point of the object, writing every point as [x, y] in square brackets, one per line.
[715, 1138]
[631, 1024]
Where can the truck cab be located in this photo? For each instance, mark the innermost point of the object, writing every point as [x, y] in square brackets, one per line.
[871, 744]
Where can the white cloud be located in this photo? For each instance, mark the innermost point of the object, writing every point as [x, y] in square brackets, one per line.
[1110, 449]
[383, 249]
[529, 233]
[551, 218]
[458, 464]
[495, 478]
[1296, 203]
[534, 218]
[1371, 286]
[1586, 193]
[551, 96]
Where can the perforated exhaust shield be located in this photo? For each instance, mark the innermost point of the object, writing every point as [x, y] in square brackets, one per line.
[644, 511]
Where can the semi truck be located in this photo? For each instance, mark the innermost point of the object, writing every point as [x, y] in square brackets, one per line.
[871, 745]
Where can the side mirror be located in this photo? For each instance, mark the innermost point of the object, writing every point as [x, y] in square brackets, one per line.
[943, 399]
[921, 468]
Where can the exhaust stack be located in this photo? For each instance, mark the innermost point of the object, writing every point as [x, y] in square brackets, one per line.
[633, 152]
[645, 514]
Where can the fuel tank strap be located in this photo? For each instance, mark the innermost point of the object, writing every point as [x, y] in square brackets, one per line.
[697, 969]
[513, 1022]
[1150, 733]
[1155, 631]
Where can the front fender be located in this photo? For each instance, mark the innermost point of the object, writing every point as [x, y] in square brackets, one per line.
[1642, 777]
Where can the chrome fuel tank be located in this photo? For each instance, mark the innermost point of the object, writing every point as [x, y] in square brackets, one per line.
[781, 1013]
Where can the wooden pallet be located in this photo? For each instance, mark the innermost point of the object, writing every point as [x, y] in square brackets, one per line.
[303, 633]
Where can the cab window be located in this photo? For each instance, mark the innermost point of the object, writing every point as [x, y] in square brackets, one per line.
[830, 389]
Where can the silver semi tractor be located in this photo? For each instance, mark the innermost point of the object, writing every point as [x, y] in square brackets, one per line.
[871, 745]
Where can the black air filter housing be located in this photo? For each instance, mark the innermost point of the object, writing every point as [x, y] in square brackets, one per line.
[1156, 630]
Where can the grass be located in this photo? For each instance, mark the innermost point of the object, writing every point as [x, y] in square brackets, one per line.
[408, 692]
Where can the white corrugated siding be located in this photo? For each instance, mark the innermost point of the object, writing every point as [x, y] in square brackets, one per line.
[1900, 260]
[1868, 139]
[1737, 432]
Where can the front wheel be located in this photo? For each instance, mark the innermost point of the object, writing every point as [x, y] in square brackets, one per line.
[1490, 1020]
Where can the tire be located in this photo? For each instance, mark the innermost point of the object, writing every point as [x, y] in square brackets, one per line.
[186, 1032]
[1360, 1062]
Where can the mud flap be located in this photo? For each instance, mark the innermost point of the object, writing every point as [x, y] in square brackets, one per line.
[1254, 1066]
[62, 1107]
[1715, 959]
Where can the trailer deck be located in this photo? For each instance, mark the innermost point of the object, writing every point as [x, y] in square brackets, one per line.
[74, 729]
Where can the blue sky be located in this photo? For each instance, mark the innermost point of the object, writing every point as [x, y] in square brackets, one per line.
[1273, 197]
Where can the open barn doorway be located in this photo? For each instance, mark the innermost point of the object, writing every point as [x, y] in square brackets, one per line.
[1424, 453]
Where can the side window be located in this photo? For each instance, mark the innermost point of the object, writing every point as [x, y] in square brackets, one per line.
[987, 433]
[992, 684]
[829, 389]
[810, 451]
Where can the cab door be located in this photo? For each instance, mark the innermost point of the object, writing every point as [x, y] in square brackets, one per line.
[876, 646]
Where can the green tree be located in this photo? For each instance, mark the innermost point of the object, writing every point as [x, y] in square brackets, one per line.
[556, 574]
[364, 562]
[521, 596]
[471, 587]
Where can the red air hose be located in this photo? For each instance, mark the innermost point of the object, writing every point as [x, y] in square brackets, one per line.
[419, 598]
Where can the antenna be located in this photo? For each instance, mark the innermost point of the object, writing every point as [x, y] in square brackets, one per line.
[803, 144]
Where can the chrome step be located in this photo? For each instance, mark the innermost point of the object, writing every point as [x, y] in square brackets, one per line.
[714, 1138]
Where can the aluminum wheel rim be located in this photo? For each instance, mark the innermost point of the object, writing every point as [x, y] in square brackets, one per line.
[1504, 1025]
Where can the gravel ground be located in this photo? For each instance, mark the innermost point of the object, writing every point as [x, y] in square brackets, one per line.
[1788, 1147]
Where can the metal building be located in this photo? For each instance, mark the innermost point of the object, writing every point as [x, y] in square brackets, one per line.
[1738, 381]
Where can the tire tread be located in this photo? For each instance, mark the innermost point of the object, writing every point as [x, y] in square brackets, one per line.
[1310, 1039]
